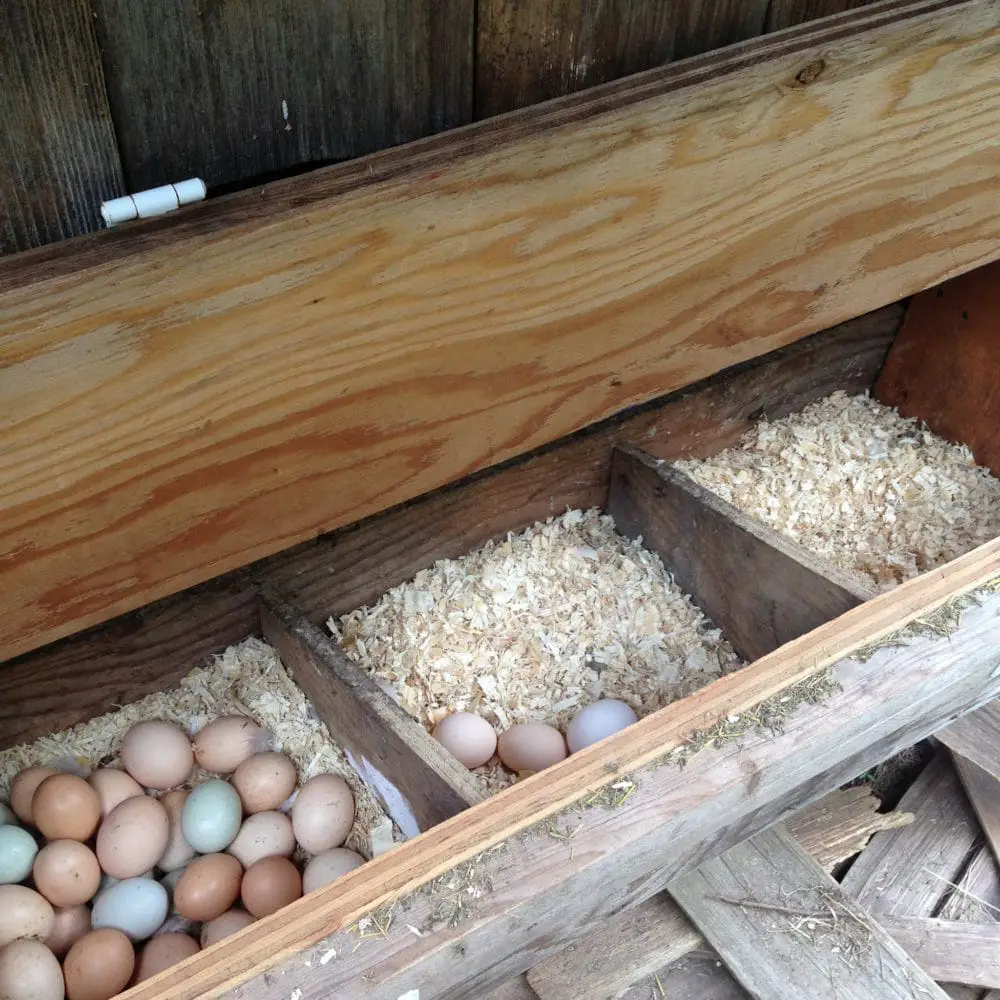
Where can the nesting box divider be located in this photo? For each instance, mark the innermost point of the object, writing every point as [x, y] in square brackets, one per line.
[419, 783]
[760, 588]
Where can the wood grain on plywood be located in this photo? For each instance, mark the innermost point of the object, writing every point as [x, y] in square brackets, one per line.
[949, 950]
[58, 155]
[151, 649]
[674, 819]
[759, 587]
[270, 85]
[419, 782]
[942, 369]
[233, 393]
[786, 930]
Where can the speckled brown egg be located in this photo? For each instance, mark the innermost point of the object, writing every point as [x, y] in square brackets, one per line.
[264, 781]
[99, 965]
[22, 790]
[531, 746]
[65, 807]
[112, 787]
[71, 923]
[157, 754]
[162, 952]
[29, 971]
[178, 851]
[66, 873]
[24, 913]
[229, 923]
[208, 887]
[323, 813]
[269, 885]
[222, 745]
[262, 835]
[133, 837]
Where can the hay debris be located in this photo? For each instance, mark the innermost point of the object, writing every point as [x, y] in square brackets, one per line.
[856, 483]
[455, 895]
[534, 627]
[249, 679]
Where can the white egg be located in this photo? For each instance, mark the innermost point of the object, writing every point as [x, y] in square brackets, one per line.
[135, 906]
[596, 721]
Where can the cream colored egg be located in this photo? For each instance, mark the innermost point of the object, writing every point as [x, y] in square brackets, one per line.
[262, 835]
[71, 923]
[228, 741]
[328, 867]
[178, 851]
[531, 746]
[323, 813]
[157, 754]
[133, 837]
[29, 971]
[24, 913]
[467, 737]
[22, 790]
[112, 787]
[231, 922]
[264, 781]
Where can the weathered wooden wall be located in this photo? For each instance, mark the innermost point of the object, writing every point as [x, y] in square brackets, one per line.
[108, 96]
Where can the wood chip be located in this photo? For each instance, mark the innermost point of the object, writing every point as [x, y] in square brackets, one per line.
[534, 627]
[854, 482]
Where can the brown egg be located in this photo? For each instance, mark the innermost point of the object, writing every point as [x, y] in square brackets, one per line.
[133, 837]
[329, 866]
[66, 873]
[112, 787]
[65, 807]
[22, 790]
[163, 951]
[468, 737]
[269, 885]
[323, 813]
[208, 887]
[222, 745]
[157, 754]
[178, 851]
[29, 971]
[99, 965]
[531, 746]
[229, 923]
[264, 781]
[70, 925]
[24, 913]
[262, 835]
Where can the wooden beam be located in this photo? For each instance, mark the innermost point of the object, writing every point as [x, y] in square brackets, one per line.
[185, 400]
[419, 783]
[874, 703]
[950, 951]
[761, 588]
[786, 930]
[976, 737]
[151, 649]
[983, 791]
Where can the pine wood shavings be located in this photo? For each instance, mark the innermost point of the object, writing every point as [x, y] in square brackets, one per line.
[534, 627]
[854, 482]
[248, 679]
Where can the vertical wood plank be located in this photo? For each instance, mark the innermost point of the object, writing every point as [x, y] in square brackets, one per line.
[58, 155]
[786, 13]
[533, 50]
[230, 91]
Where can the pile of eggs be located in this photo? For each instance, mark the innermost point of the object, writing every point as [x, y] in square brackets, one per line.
[529, 747]
[108, 880]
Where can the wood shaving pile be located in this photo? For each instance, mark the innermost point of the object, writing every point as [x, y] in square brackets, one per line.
[248, 679]
[856, 483]
[534, 627]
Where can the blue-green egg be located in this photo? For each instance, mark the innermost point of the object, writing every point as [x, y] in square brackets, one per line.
[211, 816]
[17, 854]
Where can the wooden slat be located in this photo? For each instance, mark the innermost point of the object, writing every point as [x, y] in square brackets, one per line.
[533, 50]
[58, 155]
[269, 85]
[656, 933]
[419, 782]
[754, 904]
[983, 790]
[152, 649]
[697, 977]
[948, 950]
[674, 819]
[942, 367]
[759, 587]
[236, 391]
[976, 737]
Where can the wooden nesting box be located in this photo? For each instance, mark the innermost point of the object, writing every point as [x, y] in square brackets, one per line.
[321, 387]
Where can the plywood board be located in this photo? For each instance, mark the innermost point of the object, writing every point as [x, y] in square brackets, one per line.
[182, 398]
